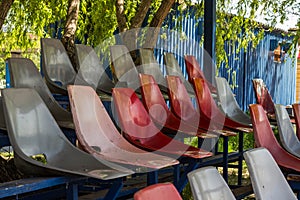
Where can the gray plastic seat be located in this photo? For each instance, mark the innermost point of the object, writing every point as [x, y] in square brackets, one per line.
[172, 68]
[123, 68]
[24, 74]
[286, 131]
[98, 135]
[228, 103]
[57, 67]
[33, 131]
[150, 66]
[92, 71]
[267, 179]
[208, 184]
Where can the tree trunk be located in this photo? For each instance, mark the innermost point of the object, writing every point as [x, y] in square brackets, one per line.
[68, 38]
[160, 15]
[4, 8]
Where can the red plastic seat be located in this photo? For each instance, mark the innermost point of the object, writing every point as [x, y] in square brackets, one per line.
[160, 191]
[98, 136]
[264, 137]
[194, 71]
[296, 109]
[139, 129]
[209, 110]
[181, 105]
[158, 110]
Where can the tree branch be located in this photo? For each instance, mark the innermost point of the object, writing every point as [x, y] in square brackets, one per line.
[121, 19]
[137, 20]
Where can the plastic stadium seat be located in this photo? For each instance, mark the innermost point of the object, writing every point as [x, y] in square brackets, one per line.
[207, 184]
[194, 71]
[139, 129]
[92, 71]
[228, 103]
[172, 68]
[286, 132]
[296, 109]
[267, 179]
[24, 74]
[33, 132]
[160, 191]
[264, 137]
[98, 136]
[150, 66]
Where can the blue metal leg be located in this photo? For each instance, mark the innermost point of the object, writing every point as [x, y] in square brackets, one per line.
[72, 192]
[225, 158]
[193, 164]
[240, 162]
[115, 189]
[152, 177]
[176, 174]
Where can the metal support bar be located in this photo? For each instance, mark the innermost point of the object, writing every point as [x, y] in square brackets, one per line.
[240, 162]
[225, 158]
[152, 177]
[72, 191]
[115, 189]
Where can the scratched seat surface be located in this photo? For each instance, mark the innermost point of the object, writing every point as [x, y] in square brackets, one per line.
[24, 74]
[57, 67]
[149, 65]
[296, 109]
[98, 135]
[33, 132]
[139, 129]
[159, 191]
[229, 104]
[194, 71]
[264, 137]
[91, 70]
[172, 68]
[207, 183]
[267, 179]
[209, 110]
[123, 68]
[158, 110]
[286, 131]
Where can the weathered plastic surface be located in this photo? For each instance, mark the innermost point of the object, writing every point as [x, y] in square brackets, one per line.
[181, 105]
[56, 66]
[172, 68]
[194, 71]
[98, 135]
[286, 132]
[267, 179]
[208, 184]
[91, 70]
[160, 114]
[33, 131]
[296, 109]
[263, 96]
[209, 110]
[150, 66]
[123, 67]
[24, 74]
[264, 137]
[159, 191]
[139, 129]
[228, 103]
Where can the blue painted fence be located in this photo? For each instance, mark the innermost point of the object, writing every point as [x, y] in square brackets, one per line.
[280, 78]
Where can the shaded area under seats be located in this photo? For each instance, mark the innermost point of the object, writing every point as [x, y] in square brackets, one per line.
[173, 69]
[92, 71]
[267, 179]
[24, 74]
[207, 183]
[228, 103]
[33, 131]
[98, 135]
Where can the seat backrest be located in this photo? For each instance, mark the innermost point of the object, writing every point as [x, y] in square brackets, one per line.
[264, 137]
[149, 65]
[263, 96]
[56, 64]
[228, 103]
[24, 74]
[194, 71]
[160, 191]
[296, 109]
[208, 184]
[267, 179]
[123, 67]
[286, 132]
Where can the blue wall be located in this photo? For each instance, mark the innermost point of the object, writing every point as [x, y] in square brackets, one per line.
[280, 78]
